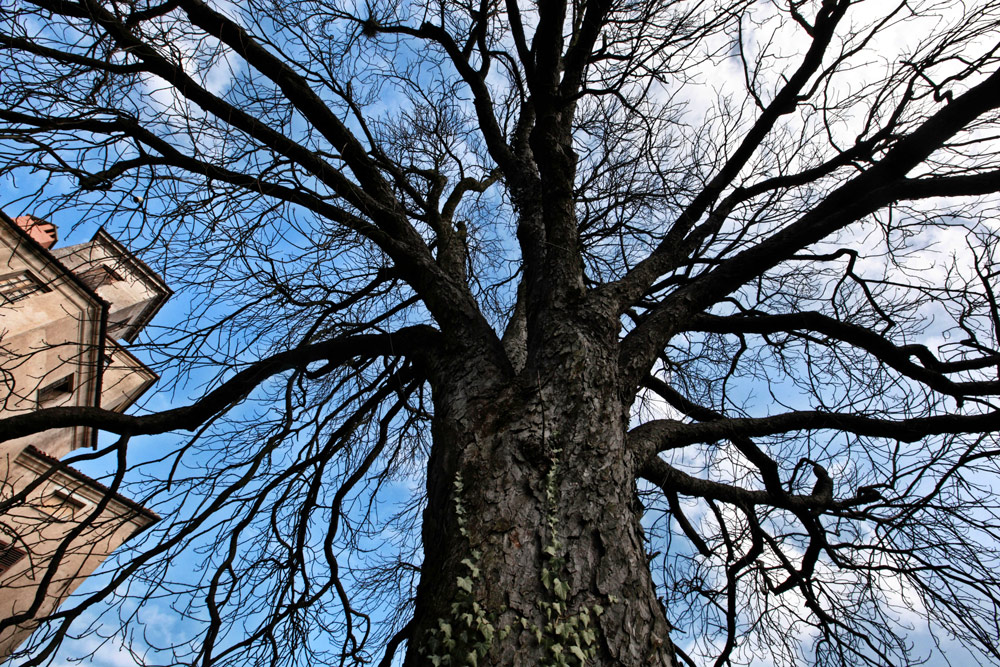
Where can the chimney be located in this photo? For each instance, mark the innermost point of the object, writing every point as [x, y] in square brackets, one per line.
[41, 231]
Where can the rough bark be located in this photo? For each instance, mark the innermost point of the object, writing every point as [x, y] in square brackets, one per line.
[533, 547]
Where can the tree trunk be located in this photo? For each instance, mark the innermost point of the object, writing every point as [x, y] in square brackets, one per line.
[533, 552]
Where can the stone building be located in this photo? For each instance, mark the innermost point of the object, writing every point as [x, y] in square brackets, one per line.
[64, 316]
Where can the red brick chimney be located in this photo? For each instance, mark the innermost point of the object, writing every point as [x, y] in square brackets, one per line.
[42, 231]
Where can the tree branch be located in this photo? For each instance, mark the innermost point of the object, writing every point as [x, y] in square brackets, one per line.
[896, 357]
[417, 341]
[878, 186]
[631, 286]
[671, 481]
[664, 434]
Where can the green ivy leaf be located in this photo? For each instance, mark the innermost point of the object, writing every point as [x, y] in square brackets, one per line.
[472, 568]
[560, 588]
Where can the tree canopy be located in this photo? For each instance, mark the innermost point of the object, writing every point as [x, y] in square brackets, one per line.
[639, 332]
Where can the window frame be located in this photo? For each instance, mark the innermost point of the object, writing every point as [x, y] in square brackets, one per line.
[98, 276]
[11, 290]
[54, 391]
[10, 556]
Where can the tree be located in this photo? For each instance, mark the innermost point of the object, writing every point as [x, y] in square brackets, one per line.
[683, 314]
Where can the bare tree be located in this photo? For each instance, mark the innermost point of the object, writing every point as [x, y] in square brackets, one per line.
[682, 313]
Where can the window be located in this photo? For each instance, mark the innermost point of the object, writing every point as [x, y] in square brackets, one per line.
[59, 389]
[17, 286]
[61, 504]
[66, 497]
[98, 276]
[9, 555]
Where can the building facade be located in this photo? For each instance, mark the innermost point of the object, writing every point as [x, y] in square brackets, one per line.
[64, 316]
